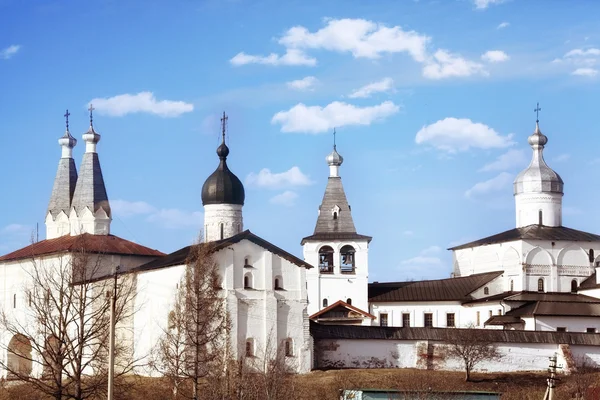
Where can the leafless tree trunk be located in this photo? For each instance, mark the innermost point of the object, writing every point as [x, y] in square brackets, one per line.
[193, 345]
[471, 347]
[63, 325]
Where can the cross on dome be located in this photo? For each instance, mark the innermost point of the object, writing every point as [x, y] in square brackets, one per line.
[537, 112]
[67, 118]
[91, 110]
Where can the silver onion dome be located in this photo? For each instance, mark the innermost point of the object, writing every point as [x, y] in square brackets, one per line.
[334, 158]
[538, 176]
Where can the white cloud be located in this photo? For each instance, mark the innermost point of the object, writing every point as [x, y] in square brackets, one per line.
[10, 51]
[287, 198]
[461, 134]
[562, 157]
[384, 85]
[498, 183]
[360, 37]
[267, 179]
[124, 208]
[509, 160]
[444, 64]
[495, 56]
[483, 4]
[408, 233]
[291, 57]
[589, 72]
[143, 102]
[317, 119]
[173, 218]
[503, 25]
[307, 83]
[583, 53]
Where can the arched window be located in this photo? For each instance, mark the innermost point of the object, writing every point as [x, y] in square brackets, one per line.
[326, 260]
[278, 285]
[249, 347]
[540, 219]
[335, 215]
[248, 281]
[347, 259]
[247, 263]
[325, 303]
[221, 231]
[289, 347]
[540, 285]
[512, 285]
[349, 301]
[15, 300]
[573, 285]
[592, 255]
[486, 290]
[19, 356]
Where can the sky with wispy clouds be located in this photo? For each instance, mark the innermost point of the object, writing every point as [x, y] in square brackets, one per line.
[432, 102]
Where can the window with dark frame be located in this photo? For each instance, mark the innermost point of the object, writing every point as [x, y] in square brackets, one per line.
[512, 285]
[590, 330]
[249, 348]
[540, 285]
[450, 320]
[574, 286]
[428, 320]
[383, 319]
[289, 348]
[406, 320]
[326, 260]
[248, 281]
[591, 255]
[486, 290]
[349, 301]
[561, 329]
[478, 318]
[325, 303]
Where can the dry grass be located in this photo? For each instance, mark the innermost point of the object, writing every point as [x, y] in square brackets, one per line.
[325, 385]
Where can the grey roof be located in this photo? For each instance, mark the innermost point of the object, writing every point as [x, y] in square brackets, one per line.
[538, 176]
[180, 256]
[64, 187]
[534, 232]
[536, 297]
[589, 283]
[322, 331]
[90, 191]
[451, 289]
[556, 308]
[340, 224]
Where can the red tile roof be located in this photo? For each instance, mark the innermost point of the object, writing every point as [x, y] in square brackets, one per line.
[341, 303]
[103, 244]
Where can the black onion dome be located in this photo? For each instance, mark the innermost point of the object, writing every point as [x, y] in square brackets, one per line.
[222, 186]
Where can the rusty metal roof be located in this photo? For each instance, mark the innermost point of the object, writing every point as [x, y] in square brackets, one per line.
[534, 232]
[342, 304]
[102, 244]
[180, 256]
[322, 331]
[451, 289]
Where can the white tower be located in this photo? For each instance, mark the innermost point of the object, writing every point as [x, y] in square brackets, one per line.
[57, 217]
[90, 209]
[340, 255]
[538, 189]
[223, 197]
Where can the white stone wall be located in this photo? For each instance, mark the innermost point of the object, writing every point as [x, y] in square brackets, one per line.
[372, 353]
[337, 286]
[573, 324]
[529, 205]
[222, 221]
[261, 313]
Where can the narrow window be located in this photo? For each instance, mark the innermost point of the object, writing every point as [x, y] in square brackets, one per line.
[428, 320]
[478, 318]
[450, 320]
[221, 228]
[406, 320]
[540, 217]
[248, 281]
[249, 348]
[15, 300]
[573, 285]
[540, 285]
[383, 319]
[325, 303]
[349, 301]
[334, 215]
[246, 263]
[278, 283]
[491, 313]
[486, 290]
[512, 285]
[592, 255]
[590, 330]
[561, 329]
[499, 311]
[289, 348]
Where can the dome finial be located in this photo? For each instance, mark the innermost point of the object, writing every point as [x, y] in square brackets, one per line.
[67, 118]
[334, 138]
[537, 117]
[224, 125]
[223, 150]
[91, 110]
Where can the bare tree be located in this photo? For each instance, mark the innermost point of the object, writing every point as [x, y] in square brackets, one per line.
[193, 345]
[60, 333]
[471, 348]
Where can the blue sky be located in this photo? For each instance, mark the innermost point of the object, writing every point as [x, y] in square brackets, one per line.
[433, 102]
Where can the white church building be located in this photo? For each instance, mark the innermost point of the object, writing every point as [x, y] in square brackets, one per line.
[539, 276]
